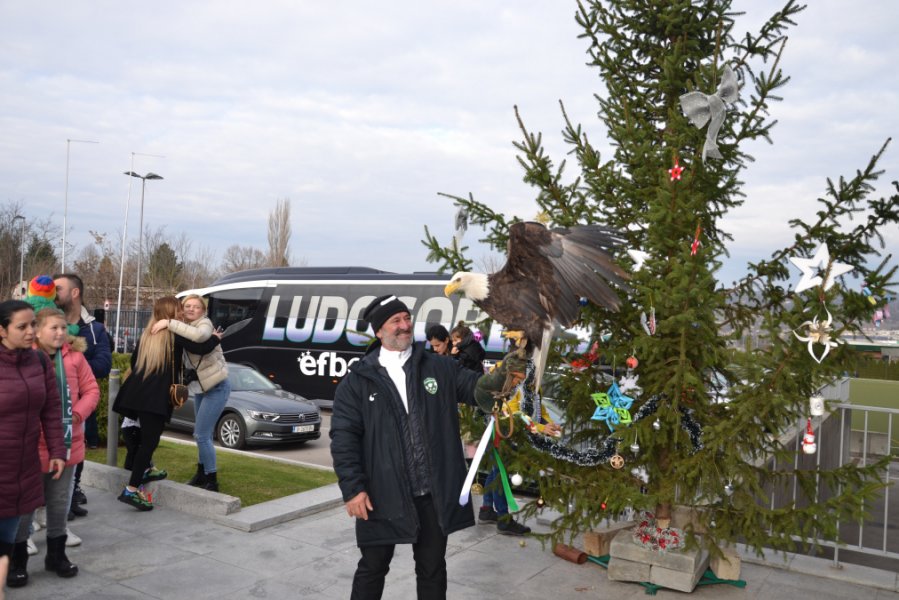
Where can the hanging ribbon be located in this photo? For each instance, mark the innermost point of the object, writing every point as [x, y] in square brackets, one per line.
[473, 469]
[507, 489]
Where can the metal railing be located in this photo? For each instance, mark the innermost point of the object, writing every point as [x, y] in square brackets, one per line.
[850, 433]
[863, 445]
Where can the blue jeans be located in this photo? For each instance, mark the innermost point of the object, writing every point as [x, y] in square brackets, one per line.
[208, 408]
[493, 493]
[8, 528]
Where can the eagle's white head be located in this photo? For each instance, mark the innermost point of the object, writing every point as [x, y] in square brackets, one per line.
[474, 286]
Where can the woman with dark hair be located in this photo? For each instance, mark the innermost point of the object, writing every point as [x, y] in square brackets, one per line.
[155, 365]
[439, 338]
[467, 350]
[29, 405]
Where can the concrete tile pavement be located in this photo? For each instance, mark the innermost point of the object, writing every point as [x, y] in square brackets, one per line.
[169, 554]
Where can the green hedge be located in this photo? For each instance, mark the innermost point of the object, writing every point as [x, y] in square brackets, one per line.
[872, 368]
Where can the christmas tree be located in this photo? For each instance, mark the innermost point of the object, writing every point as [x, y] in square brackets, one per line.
[680, 331]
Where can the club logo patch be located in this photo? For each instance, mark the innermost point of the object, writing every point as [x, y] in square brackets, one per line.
[430, 385]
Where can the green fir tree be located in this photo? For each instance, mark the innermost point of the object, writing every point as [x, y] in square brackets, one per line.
[648, 54]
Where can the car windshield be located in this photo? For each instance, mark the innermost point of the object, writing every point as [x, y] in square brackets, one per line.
[245, 379]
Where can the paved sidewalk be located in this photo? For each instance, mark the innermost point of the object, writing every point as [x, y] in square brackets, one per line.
[168, 554]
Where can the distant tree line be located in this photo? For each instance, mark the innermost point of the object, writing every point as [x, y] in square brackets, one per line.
[169, 262]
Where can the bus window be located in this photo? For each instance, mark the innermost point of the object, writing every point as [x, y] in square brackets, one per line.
[228, 307]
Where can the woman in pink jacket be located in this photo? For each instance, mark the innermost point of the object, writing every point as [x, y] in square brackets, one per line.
[29, 403]
[79, 396]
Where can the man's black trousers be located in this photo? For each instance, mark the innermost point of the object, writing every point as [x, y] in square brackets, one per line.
[430, 560]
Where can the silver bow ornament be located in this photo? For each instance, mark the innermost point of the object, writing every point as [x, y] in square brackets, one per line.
[700, 108]
[461, 223]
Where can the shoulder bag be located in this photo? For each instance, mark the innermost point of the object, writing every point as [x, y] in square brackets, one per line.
[177, 391]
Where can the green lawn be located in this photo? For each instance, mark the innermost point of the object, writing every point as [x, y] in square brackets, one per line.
[250, 478]
[880, 393]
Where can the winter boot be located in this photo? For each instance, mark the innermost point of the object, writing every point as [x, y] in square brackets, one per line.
[199, 477]
[76, 510]
[56, 557]
[211, 482]
[18, 566]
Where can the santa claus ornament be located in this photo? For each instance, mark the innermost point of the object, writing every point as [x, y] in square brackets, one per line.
[808, 440]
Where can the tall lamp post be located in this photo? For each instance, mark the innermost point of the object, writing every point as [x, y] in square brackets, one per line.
[22, 243]
[140, 235]
[118, 310]
[65, 208]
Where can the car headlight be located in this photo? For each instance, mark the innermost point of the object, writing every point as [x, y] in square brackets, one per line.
[264, 416]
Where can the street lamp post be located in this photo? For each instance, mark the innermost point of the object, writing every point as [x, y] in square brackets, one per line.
[21, 243]
[118, 310]
[65, 208]
[140, 235]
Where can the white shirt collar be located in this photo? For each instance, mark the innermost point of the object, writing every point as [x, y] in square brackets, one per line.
[393, 357]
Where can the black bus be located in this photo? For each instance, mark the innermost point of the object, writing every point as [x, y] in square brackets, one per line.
[300, 325]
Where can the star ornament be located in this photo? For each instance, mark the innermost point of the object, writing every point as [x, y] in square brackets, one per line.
[676, 171]
[613, 407]
[818, 332]
[818, 270]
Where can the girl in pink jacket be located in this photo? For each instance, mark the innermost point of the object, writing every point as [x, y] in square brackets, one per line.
[79, 395]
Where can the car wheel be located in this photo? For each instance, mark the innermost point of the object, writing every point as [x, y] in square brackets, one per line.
[232, 432]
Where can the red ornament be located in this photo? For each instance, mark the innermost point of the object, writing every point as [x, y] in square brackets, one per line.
[602, 505]
[676, 170]
[631, 362]
[695, 245]
[579, 364]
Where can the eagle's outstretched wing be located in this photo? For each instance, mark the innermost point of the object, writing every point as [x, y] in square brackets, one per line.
[548, 272]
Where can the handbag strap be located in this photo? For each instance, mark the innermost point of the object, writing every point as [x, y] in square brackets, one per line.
[172, 357]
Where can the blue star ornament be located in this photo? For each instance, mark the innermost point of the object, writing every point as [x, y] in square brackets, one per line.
[613, 407]
[814, 268]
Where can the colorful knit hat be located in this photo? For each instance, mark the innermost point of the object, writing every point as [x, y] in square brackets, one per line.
[41, 293]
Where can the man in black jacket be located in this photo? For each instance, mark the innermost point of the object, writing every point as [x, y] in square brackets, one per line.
[397, 451]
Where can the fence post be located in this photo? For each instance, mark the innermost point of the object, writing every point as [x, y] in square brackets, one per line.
[112, 420]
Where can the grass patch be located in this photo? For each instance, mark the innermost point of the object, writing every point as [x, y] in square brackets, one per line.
[250, 478]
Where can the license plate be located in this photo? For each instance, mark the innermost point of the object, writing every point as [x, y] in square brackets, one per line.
[303, 428]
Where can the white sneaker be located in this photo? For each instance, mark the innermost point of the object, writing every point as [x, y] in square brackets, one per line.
[35, 526]
[72, 539]
[32, 547]
[40, 518]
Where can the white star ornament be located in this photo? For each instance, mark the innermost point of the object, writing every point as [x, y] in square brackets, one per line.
[813, 268]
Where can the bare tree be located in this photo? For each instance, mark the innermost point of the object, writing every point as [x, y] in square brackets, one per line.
[241, 258]
[38, 236]
[279, 234]
[198, 269]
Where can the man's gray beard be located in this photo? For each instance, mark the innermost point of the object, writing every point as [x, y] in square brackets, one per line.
[399, 346]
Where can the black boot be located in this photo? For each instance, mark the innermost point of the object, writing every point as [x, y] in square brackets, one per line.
[77, 510]
[18, 565]
[56, 557]
[211, 482]
[199, 478]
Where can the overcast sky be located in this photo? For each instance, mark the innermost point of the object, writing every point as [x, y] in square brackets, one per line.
[361, 112]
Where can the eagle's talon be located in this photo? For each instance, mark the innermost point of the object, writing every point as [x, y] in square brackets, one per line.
[520, 339]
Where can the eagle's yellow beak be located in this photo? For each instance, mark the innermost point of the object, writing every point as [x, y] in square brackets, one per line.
[450, 288]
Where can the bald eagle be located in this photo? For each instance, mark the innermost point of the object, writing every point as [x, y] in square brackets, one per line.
[546, 274]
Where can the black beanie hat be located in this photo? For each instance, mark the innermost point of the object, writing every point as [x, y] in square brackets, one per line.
[381, 309]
